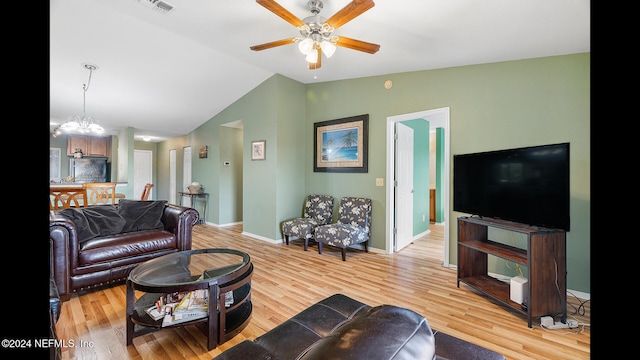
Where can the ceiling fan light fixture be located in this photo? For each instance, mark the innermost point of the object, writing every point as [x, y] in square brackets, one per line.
[327, 48]
[312, 56]
[305, 46]
[316, 32]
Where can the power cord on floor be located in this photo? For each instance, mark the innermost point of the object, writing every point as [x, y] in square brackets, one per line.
[580, 310]
[574, 326]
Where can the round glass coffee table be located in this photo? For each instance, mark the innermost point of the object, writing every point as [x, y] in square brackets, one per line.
[220, 274]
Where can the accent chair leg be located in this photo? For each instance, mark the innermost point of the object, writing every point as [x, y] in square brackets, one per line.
[344, 254]
[306, 243]
[286, 239]
[319, 247]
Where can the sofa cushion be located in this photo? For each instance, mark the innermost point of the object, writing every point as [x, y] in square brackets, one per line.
[141, 214]
[294, 336]
[94, 221]
[381, 332]
[107, 250]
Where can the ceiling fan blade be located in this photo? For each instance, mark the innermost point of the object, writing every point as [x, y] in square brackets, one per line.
[273, 44]
[277, 9]
[318, 62]
[357, 45]
[349, 12]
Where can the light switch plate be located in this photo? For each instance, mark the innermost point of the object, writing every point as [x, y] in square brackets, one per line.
[379, 181]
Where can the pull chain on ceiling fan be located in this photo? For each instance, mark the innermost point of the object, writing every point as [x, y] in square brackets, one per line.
[317, 32]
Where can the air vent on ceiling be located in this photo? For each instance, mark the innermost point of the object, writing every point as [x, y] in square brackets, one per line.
[158, 5]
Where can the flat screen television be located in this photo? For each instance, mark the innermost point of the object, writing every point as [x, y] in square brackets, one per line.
[528, 185]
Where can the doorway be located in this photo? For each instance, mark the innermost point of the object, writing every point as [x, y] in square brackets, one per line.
[172, 176]
[186, 174]
[437, 118]
[230, 182]
[142, 171]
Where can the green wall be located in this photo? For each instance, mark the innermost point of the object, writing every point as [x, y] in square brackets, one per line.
[492, 106]
[260, 194]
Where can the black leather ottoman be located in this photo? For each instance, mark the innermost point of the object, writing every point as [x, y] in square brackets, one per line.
[340, 327]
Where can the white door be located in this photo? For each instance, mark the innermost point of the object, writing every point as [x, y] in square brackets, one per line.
[142, 172]
[404, 186]
[172, 176]
[186, 174]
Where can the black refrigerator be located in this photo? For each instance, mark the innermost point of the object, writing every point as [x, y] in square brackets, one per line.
[88, 170]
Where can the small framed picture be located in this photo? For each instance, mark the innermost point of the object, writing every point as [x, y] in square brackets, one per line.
[258, 150]
[204, 151]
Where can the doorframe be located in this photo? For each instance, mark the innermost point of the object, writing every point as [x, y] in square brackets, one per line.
[437, 118]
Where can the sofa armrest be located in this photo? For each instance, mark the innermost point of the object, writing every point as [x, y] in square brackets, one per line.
[180, 220]
[63, 241]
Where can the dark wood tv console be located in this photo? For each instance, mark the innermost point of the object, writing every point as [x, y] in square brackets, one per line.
[544, 257]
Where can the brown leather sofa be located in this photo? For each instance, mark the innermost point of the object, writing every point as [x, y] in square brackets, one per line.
[102, 259]
[340, 327]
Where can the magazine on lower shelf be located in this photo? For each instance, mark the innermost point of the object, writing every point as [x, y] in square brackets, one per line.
[194, 305]
[155, 313]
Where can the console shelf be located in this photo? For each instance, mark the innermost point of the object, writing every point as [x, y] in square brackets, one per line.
[544, 257]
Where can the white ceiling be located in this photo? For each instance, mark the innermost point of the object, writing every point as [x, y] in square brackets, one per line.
[166, 73]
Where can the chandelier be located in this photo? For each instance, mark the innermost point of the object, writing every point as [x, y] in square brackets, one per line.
[83, 123]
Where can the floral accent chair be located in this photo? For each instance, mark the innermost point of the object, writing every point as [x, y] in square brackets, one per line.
[353, 226]
[318, 210]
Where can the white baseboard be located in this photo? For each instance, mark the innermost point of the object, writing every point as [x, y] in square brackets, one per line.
[272, 241]
[223, 225]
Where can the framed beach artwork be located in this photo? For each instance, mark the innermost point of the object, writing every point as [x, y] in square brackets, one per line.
[341, 145]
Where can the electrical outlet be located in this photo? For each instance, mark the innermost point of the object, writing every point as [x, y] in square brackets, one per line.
[424, 217]
[379, 181]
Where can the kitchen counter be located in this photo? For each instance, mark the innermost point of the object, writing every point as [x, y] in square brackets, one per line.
[74, 185]
[66, 185]
[77, 186]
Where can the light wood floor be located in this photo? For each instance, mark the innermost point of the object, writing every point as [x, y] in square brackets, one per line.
[287, 279]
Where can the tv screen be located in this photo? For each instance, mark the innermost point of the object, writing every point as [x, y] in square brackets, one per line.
[528, 185]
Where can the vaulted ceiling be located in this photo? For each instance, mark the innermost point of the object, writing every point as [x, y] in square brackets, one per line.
[164, 73]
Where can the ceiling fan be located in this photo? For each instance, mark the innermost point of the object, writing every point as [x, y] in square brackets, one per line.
[317, 32]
